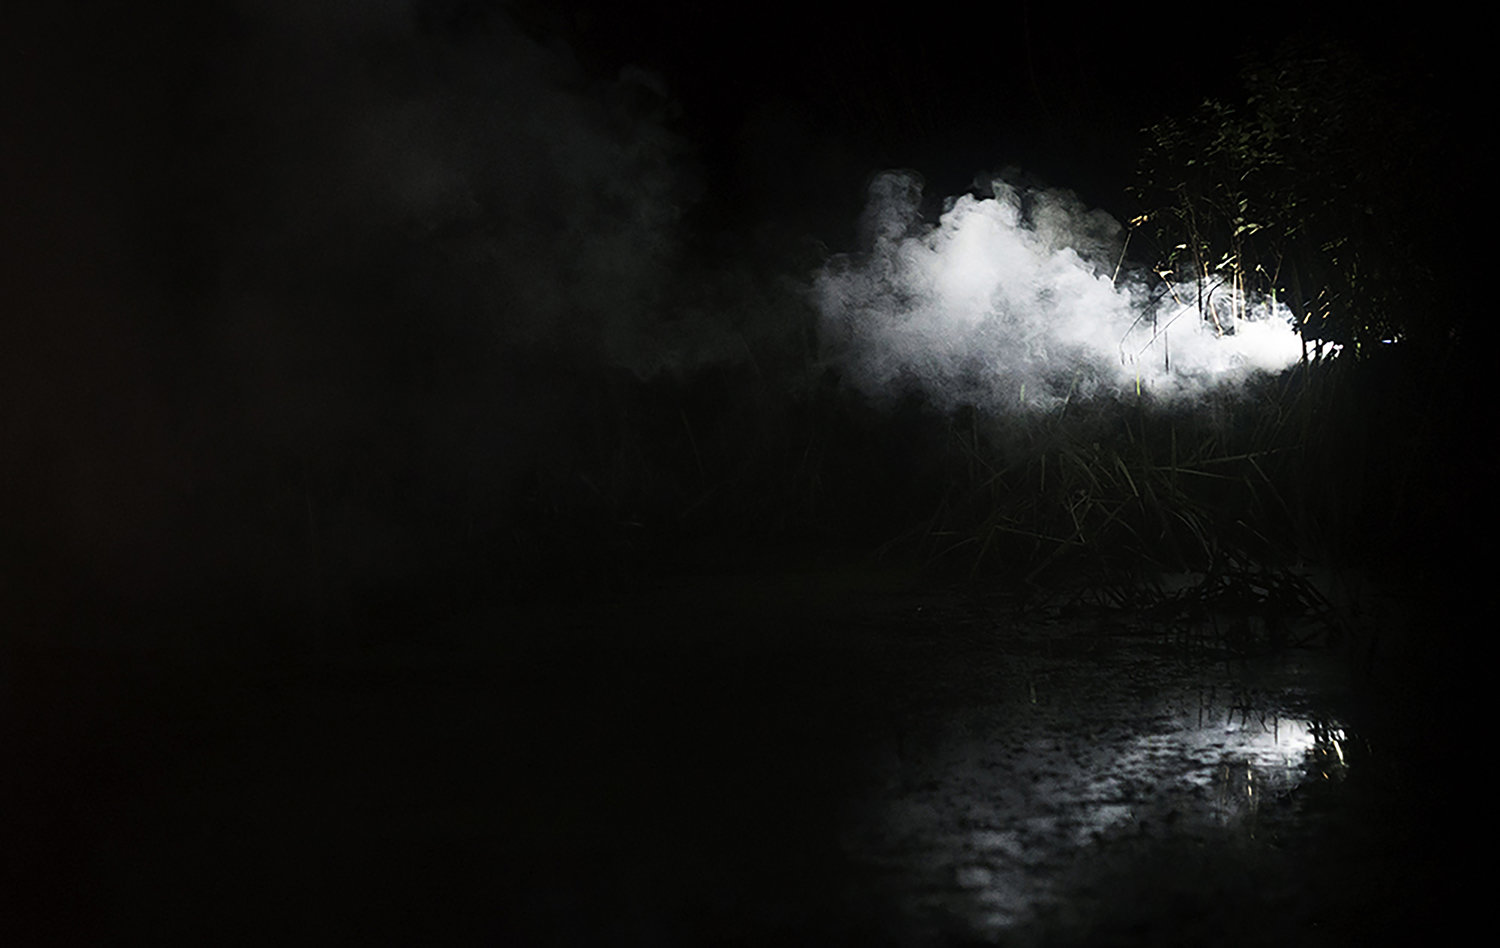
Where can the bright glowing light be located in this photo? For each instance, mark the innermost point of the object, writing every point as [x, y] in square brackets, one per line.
[1016, 293]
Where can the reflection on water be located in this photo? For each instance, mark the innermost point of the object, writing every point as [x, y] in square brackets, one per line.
[983, 818]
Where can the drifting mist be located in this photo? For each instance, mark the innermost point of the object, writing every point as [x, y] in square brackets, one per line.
[1014, 300]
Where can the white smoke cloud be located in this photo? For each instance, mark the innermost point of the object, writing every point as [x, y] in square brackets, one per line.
[1011, 302]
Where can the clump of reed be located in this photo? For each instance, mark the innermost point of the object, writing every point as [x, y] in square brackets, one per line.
[1109, 487]
[1294, 469]
[1321, 464]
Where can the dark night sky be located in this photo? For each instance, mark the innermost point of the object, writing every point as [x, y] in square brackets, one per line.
[784, 96]
[785, 106]
[791, 107]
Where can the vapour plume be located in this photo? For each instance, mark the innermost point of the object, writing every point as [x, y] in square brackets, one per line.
[1012, 301]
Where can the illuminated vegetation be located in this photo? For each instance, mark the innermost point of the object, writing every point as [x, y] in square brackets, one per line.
[1304, 190]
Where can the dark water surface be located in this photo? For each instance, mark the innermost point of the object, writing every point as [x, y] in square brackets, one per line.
[735, 761]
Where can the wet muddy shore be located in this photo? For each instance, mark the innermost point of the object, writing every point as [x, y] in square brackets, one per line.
[731, 760]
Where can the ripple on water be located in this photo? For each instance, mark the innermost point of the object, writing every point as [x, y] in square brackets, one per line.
[982, 817]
